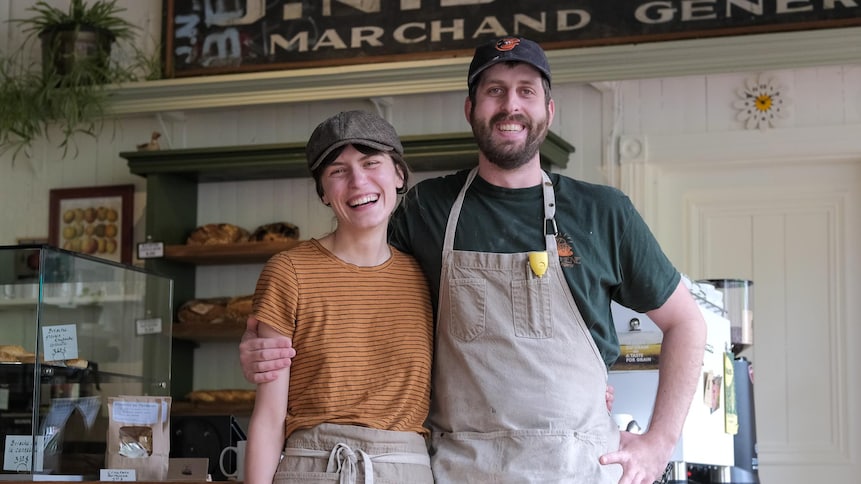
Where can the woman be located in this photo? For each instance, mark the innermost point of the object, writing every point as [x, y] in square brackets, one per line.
[360, 317]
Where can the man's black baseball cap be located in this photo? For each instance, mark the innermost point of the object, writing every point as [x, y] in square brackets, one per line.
[508, 49]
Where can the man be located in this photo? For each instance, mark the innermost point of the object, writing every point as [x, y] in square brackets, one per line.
[522, 267]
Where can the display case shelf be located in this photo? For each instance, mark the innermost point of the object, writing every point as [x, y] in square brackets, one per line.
[58, 370]
[70, 302]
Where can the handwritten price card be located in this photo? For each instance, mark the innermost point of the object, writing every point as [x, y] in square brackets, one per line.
[60, 342]
[18, 454]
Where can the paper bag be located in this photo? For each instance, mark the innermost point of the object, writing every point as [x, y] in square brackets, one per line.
[139, 436]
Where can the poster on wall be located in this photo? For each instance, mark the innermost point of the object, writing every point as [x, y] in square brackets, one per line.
[93, 220]
[204, 37]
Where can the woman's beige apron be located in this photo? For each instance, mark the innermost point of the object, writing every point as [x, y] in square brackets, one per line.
[518, 383]
[348, 454]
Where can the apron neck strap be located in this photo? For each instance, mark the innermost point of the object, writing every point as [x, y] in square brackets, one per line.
[454, 214]
[550, 229]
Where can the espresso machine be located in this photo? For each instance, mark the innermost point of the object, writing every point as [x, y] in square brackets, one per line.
[737, 301]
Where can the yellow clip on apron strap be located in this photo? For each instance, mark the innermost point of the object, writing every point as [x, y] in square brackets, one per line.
[538, 261]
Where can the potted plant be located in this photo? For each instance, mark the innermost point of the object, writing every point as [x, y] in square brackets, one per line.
[78, 41]
[68, 90]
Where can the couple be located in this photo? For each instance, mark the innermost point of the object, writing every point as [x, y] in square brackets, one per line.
[523, 336]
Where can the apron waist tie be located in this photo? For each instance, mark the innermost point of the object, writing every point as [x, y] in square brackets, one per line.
[344, 461]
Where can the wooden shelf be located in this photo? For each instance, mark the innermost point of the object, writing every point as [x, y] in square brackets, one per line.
[436, 152]
[224, 254]
[215, 408]
[207, 332]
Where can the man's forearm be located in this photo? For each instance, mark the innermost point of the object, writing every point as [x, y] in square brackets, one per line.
[680, 365]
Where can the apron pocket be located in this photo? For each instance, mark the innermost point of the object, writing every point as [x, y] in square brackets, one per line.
[305, 470]
[523, 456]
[531, 301]
[467, 308]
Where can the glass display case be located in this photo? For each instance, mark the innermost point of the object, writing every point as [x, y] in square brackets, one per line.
[74, 330]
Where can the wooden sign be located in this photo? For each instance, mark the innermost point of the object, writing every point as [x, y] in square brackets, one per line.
[205, 37]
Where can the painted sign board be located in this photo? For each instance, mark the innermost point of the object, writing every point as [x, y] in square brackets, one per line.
[205, 37]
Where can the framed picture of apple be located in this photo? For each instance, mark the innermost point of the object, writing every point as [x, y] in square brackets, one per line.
[93, 220]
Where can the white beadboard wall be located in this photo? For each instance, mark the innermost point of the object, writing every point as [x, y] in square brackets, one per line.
[779, 207]
[817, 97]
[701, 106]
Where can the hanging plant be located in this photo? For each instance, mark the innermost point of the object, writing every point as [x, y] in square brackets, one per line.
[69, 88]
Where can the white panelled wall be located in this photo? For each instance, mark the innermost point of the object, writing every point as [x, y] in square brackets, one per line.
[781, 207]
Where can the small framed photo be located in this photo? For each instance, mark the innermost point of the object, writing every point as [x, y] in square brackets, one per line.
[27, 261]
[93, 220]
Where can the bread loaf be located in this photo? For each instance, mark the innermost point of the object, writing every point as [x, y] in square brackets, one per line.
[204, 396]
[239, 308]
[209, 310]
[8, 357]
[213, 234]
[275, 232]
[12, 349]
[77, 363]
[12, 353]
[29, 358]
[222, 396]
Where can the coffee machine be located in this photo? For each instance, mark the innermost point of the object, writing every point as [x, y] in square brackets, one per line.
[737, 299]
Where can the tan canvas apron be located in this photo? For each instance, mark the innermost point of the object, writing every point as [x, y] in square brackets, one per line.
[348, 454]
[518, 383]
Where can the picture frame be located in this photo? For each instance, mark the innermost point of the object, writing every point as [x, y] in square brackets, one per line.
[93, 220]
[27, 261]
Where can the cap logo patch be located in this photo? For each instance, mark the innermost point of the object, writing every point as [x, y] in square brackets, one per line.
[506, 44]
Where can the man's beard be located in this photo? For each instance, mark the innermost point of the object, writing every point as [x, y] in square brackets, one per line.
[505, 155]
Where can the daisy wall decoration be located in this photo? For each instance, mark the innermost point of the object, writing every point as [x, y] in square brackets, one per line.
[763, 103]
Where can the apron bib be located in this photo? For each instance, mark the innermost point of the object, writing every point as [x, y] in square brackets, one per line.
[518, 383]
[347, 454]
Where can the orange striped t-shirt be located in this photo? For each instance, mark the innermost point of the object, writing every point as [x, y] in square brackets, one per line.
[363, 337]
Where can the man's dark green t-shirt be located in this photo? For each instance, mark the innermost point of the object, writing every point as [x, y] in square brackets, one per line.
[606, 250]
